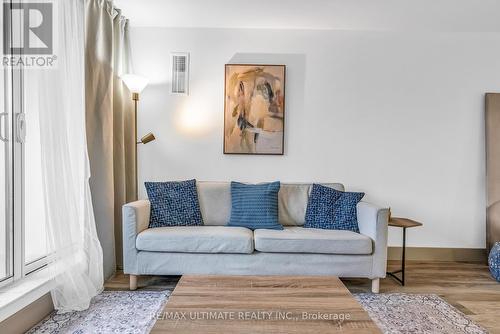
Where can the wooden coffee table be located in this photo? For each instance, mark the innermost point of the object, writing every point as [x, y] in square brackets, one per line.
[262, 304]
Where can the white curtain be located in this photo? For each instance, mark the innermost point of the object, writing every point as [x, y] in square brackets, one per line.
[75, 250]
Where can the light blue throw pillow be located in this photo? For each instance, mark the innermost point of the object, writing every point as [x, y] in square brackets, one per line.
[255, 206]
[174, 204]
[332, 209]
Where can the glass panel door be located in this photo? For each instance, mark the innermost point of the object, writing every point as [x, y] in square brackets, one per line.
[35, 241]
[6, 250]
[23, 241]
[4, 185]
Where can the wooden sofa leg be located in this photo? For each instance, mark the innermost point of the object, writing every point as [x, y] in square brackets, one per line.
[133, 282]
[375, 285]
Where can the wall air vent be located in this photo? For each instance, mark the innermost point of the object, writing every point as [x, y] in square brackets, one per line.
[180, 73]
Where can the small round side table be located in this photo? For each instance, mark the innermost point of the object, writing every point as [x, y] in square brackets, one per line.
[403, 223]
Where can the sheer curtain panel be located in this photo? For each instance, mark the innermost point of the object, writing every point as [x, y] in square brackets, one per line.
[77, 262]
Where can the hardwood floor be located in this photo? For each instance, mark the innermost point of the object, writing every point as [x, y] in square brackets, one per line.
[467, 286]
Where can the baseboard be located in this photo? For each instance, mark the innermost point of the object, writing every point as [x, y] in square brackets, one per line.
[29, 316]
[439, 254]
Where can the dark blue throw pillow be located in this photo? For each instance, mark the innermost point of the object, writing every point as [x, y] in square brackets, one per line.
[332, 209]
[255, 205]
[174, 203]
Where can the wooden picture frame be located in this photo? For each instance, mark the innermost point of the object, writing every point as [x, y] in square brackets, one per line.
[254, 109]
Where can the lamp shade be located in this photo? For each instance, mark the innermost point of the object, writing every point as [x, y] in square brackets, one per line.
[148, 138]
[135, 83]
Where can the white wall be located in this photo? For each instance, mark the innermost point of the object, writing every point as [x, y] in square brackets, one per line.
[397, 115]
[415, 15]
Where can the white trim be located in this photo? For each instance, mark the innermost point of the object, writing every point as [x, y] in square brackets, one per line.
[14, 297]
[36, 264]
[6, 281]
[9, 214]
[18, 171]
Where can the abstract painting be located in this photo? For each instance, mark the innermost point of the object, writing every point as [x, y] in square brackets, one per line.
[254, 109]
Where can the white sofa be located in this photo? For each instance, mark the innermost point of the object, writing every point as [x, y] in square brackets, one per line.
[218, 249]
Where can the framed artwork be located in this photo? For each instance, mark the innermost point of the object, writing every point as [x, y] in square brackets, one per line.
[254, 109]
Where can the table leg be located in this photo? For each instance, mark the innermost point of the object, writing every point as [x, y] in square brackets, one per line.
[403, 260]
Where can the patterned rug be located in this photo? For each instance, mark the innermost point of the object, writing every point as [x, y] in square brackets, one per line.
[411, 313]
[133, 312]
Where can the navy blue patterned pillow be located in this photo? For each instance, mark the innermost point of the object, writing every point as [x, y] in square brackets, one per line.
[255, 205]
[332, 209]
[174, 203]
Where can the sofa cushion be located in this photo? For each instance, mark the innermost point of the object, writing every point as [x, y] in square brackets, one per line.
[332, 209]
[310, 240]
[255, 205]
[196, 239]
[215, 202]
[174, 203]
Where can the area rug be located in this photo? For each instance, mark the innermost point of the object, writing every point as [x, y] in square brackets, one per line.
[128, 312]
[134, 312]
[396, 313]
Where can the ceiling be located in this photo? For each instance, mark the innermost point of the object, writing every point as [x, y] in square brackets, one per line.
[417, 15]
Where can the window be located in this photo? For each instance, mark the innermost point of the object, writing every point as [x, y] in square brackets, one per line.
[23, 243]
[6, 250]
[35, 242]
[4, 232]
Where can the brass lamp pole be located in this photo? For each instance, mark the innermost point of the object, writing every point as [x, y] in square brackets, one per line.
[136, 83]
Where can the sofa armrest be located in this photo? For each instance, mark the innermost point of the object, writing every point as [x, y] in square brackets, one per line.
[373, 222]
[135, 220]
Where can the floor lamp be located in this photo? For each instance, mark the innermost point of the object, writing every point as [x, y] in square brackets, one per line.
[136, 84]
